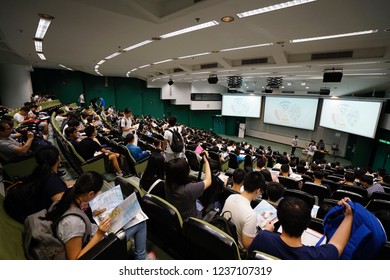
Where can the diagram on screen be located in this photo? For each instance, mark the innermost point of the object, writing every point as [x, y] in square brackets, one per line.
[288, 112]
[345, 116]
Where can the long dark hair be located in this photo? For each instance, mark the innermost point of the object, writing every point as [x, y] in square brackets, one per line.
[177, 171]
[46, 157]
[155, 167]
[87, 182]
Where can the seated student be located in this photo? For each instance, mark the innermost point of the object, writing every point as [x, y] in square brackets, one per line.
[349, 179]
[71, 229]
[238, 180]
[180, 191]
[135, 151]
[275, 192]
[46, 177]
[318, 176]
[88, 147]
[9, 147]
[71, 134]
[242, 214]
[155, 170]
[294, 217]
[367, 182]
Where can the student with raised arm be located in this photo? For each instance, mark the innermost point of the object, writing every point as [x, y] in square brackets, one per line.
[180, 191]
[294, 216]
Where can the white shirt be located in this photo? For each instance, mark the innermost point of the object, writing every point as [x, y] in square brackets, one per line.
[243, 216]
[168, 136]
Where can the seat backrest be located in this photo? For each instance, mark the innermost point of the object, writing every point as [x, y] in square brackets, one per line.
[111, 247]
[334, 178]
[129, 186]
[333, 185]
[207, 242]
[258, 255]
[380, 195]
[193, 160]
[317, 225]
[355, 189]
[308, 198]
[289, 183]
[325, 206]
[355, 197]
[165, 225]
[317, 190]
[377, 204]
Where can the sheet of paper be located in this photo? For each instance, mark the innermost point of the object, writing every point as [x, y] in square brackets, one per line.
[109, 199]
[265, 213]
[123, 213]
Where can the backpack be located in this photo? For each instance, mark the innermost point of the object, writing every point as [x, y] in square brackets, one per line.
[177, 143]
[367, 237]
[119, 125]
[40, 243]
[224, 224]
[19, 201]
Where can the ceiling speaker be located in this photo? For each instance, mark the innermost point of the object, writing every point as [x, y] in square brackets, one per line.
[332, 77]
[324, 91]
[170, 82]
[212, 79]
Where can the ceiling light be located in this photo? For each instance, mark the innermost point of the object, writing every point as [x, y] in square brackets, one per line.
[163, 61]
[194, 55]
[247, 47]
[41, 55]
[274, 8]
[63, 66]
[101, 62]
[137, 45]
[227, 19]
[190, 29]
[143, 66]
[113, 55]
[334, 36]
[38, 45]
[303, 84]
[43, 25]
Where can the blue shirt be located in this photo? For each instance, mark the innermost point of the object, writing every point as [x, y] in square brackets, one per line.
[271, 243]
[136, 152]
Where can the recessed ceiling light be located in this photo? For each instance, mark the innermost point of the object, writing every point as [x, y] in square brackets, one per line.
[227, 19]
[334, 36]
[274, 8]
[190, 29]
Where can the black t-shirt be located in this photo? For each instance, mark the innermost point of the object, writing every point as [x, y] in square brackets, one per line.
[87, 148]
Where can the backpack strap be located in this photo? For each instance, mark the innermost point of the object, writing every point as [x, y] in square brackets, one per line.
[80, 213]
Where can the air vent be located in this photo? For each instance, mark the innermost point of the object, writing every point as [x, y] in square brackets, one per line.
[209, 65]
[331, 55]
[176, 70]
[313, 92]
[254, 61]
[288, 91]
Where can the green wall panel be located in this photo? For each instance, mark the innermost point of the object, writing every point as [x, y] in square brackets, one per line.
[97, 86]
[65, 85]
[203, 119]
[151, 103]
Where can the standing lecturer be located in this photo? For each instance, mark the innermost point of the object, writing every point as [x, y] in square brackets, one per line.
[294, 145]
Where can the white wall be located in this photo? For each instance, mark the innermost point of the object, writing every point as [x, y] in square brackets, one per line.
[206, 105]
[15, 85]
[204, 87]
